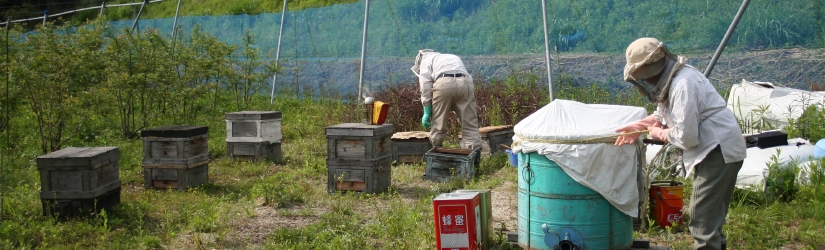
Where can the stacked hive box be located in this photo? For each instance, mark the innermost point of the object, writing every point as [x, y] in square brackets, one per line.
[359, 157]
[409, 147]
[254, 134]
[76, 181]
[175, 156]
[444, 164]
[493, 136]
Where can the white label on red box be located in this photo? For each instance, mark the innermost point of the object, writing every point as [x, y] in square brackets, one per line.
[453, 225]
[478, 224]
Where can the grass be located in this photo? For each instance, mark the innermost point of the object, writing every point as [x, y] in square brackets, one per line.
[285, 205]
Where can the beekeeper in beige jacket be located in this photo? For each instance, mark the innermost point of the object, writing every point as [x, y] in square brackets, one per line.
[447, 86]
[691, 115]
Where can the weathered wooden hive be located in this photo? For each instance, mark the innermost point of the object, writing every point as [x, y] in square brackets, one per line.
[254, 135]
[409, 147]
[79, 181]
[175, 156]
[447, 163]
[493, 136]
[359, 157]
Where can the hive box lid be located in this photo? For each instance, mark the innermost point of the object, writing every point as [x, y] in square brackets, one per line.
[253, 115]
[358, 129]
[491, 129]
[175, 131]
[411, 135]
[78, 156]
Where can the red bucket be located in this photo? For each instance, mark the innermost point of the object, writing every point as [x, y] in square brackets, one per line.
[666, 202]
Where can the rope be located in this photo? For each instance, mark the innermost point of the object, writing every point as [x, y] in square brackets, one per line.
[669, 158]
[592, 140]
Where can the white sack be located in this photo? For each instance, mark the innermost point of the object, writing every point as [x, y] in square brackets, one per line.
[609, 170]
[762, 101]
[755, 166]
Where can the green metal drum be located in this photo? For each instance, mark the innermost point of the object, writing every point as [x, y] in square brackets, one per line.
[556, 211]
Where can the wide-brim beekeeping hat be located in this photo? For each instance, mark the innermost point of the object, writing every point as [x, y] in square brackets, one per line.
[644, 59]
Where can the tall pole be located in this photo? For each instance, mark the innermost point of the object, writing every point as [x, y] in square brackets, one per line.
[724, 42]
[547, 48]
[134, 24]
[278, 54]
[45, 16]
[102, 7]
[8, 126]
[175, 24]
[363, 48]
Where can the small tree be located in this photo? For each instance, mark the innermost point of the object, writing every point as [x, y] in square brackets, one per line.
[58, 70]
[251, 72]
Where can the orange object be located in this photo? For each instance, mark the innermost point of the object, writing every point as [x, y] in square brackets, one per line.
[666, 202]
[379, 113]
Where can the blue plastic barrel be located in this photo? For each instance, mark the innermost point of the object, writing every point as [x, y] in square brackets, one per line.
[555, 210]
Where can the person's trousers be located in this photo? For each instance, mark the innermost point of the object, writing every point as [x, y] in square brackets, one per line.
[713, 184]
[455, 94]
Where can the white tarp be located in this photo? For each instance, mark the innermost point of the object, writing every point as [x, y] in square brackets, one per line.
[753, 102]
[609, 170]
[755, 167]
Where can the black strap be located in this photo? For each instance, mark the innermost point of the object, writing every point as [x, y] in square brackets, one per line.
[450, 75]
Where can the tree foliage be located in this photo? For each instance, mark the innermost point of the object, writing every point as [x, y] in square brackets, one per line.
[79, 82]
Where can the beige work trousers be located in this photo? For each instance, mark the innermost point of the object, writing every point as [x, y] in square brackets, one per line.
[713, 184]
[455, 94]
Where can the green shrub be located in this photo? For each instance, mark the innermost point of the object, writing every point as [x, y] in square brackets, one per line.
[809, 126]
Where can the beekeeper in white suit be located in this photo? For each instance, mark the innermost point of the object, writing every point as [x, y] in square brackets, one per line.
[691, 115]
[447, 86]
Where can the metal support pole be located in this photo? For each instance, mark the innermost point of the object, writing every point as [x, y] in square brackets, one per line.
[134, 25]
[175, 24]
[547, 48]
[45, 16]
[724, 42]
[102, 7]
[278, 54]
[8, 126]
[363, 48]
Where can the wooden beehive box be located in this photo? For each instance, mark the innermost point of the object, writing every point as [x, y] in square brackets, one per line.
[270, 151]
[493, 136]
[373, 177]
[175, 156]
[180, 178]
[253, 126]
[71, 179]
[358, 142]
[444, 164]
[409, 147]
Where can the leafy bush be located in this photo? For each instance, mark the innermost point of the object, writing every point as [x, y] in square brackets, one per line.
[809, 126]
[780, 180]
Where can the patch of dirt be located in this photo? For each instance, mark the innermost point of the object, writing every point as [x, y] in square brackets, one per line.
[267, 219]
[505, 206]
[251, 232]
